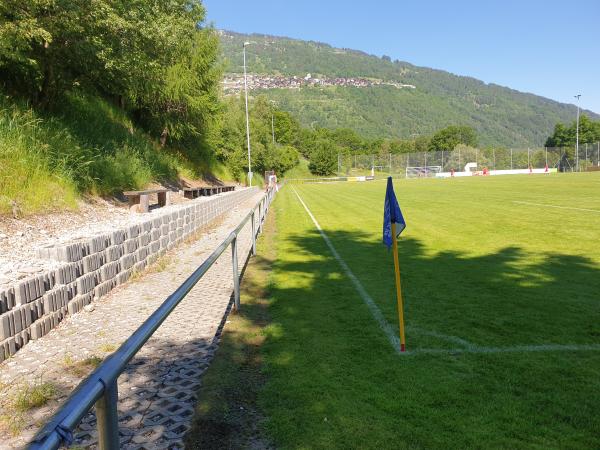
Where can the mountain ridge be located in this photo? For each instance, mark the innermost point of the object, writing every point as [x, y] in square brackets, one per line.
[503, 116]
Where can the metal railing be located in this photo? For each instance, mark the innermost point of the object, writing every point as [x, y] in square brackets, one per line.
[100, 388]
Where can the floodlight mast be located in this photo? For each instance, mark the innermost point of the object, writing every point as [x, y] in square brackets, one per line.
[577, 136]
[247, 118]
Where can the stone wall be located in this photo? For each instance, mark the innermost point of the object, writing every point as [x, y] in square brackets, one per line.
[91, 268]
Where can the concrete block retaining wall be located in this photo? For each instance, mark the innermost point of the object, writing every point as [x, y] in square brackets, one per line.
[93, 267]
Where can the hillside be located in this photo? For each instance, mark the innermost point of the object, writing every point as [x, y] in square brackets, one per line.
[502, 116]
[86, 145]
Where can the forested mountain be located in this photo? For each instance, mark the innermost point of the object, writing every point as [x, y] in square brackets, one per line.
[501, 116]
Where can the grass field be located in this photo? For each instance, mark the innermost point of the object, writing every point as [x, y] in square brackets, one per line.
[480, 272]
[502, 311]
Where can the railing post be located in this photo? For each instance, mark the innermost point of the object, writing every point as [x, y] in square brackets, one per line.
[108, 418]
[260, 216]
[236, 279]
[253, 234]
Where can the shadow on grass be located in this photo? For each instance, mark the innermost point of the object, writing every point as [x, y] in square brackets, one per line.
[509, 297]
[335, 382]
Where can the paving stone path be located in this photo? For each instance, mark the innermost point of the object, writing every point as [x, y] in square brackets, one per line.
[157, 390]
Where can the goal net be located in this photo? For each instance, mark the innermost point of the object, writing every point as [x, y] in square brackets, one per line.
[423, 171]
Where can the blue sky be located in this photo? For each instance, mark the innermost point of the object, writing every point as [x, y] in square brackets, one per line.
[550, 48]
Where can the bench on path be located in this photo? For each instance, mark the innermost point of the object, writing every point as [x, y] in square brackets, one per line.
[142, 198]
[206, 191]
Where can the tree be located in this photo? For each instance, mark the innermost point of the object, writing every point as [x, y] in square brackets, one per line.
[448, 138]
[323, 158]
[566, 136]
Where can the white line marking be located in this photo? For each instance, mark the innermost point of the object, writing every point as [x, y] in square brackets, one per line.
[389, 331]
[514, 349]
[557, 207]
[445, 337]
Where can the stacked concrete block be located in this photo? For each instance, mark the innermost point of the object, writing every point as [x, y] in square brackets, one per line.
[127, 261]
[155, 234]
[55, 299]
[97, 244]
[87, 283]
[68, 273]
[139, 266]
[132, 231]
[146, 227]
[77, 303]
[123, 276]
[7, 300]
[109, 271]
[118, 237]
[113, 253]
[142, 253]
[92, 262]
[71, 252]
[104, 288]
[131, 245]
[91, 268]
[31, 289]
[144, 239]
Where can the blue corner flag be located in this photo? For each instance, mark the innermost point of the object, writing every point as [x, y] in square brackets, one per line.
[391, 214]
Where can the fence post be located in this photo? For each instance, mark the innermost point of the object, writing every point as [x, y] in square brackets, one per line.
[253, 234]
[260, 216]
[108, 418]
[546, 150]
[494, 155]
[586, 155]
[236, 279]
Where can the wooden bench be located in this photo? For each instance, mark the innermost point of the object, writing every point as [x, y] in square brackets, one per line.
[142, 198]
[205, 191]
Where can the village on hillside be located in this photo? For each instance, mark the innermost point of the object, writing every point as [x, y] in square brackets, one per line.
[234, 83]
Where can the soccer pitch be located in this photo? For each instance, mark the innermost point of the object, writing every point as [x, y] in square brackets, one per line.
[501, 281]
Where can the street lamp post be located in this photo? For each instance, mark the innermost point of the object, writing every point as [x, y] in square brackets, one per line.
[577, 136]
[247, 118]
[273, 127]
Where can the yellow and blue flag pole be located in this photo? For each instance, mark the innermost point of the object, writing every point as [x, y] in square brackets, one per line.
[393, 225]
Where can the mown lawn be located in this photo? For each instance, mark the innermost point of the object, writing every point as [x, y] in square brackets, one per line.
[506, 293]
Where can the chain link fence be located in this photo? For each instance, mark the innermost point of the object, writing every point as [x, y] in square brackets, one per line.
[565, 159]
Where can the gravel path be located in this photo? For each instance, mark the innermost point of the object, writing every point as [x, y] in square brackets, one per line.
[157, 390]
[20, 238]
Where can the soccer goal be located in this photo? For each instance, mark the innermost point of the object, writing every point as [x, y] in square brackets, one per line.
[423, 172]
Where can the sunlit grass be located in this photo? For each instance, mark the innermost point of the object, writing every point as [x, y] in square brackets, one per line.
[476, 266]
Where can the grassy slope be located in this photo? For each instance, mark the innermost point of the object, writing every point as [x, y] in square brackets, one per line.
[300, 171]
[85, 145]
[501, 115]
[475, 265]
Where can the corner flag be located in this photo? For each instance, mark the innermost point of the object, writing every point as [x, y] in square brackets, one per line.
[393, 225]
[391, 215]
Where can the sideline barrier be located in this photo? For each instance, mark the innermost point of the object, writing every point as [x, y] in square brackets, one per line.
[330, 179]
[497, 172]
[100, 388]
